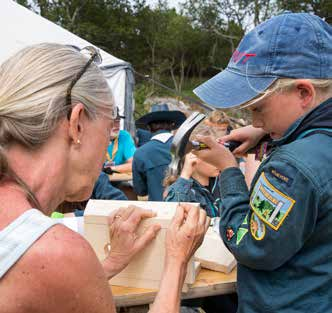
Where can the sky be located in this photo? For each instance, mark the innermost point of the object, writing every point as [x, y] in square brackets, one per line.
[171, 3]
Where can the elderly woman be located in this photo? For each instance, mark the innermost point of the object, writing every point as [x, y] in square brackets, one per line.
[55, 120]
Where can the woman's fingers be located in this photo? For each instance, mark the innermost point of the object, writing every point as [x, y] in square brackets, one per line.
[150, 233]
[122, 213]
[192, 215]
[202, 218]
[131, 216]
[178, 218]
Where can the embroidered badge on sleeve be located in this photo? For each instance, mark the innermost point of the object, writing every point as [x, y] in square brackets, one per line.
[271, 205]
[281, 176]
[241, 232]
[229, 233]
[257, 227]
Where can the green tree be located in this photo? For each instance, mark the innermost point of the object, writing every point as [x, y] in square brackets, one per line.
[322, 8]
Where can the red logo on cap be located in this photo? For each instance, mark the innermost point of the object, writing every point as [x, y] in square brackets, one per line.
[238, 56]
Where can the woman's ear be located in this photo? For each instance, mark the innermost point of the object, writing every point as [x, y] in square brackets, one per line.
[306, 93]
[76, 123]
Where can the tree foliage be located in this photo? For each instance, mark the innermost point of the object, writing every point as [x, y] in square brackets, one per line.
[168, 45]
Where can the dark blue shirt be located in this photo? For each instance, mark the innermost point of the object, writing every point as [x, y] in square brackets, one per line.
[149, 167]
[143, 136]
[281, 232]
[190, 190]
[104, 190]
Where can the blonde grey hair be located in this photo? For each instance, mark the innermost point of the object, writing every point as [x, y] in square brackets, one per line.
[322, 86]
[33, 88]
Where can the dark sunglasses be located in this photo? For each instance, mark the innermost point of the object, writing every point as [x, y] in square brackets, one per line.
[94, 57]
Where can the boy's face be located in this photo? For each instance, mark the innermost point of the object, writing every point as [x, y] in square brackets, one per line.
[276, 113]
[206, 169]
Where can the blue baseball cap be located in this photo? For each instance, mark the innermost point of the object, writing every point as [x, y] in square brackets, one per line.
[290, 45]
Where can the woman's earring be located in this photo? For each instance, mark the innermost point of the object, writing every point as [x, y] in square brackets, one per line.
[78, 141]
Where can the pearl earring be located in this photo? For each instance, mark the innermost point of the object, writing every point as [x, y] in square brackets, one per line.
[78, 142]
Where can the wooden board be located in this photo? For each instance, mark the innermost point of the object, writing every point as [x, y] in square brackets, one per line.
[214, 255]
[208, 283]
[146, 269]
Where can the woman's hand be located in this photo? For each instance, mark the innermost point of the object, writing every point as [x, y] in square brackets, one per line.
[189, 165]
[185, 234]
[216, 154]
[248, 135]
[125, 242]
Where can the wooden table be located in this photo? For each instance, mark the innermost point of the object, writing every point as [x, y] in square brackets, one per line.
[208, 283]
[121, 177]
[123, 181]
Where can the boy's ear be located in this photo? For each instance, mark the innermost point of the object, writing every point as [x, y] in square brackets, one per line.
[306, 93]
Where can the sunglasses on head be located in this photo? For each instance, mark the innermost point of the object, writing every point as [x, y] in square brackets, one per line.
[94, 56]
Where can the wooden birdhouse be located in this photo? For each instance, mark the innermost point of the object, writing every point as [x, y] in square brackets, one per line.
[145, 270]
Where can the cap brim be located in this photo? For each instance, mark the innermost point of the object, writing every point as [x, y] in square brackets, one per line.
[229, 89]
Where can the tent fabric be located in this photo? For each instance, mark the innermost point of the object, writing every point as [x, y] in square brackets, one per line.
[20, 27]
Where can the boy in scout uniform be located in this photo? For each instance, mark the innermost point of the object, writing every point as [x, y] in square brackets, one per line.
[280, 231]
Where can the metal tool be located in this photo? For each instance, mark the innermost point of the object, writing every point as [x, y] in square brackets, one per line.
[180, 141]
[181, 144]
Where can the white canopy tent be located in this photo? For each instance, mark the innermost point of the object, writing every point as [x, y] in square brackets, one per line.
[20, 27]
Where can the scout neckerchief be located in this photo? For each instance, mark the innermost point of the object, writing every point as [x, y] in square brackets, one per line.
[162, 137]
[114, 150]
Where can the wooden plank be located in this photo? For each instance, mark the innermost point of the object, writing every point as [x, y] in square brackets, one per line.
[213, 254]
[208, 283]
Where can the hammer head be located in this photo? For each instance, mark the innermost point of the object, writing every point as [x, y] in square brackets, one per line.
[180, 140]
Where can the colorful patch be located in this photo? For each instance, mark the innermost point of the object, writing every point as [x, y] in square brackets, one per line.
[257, 227]
[245, 221]
[240, 234]
[271, 205]
[282, 177]
[229, 233]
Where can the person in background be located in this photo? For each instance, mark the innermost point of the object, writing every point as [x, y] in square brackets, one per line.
[280, 231]
[152, 159]
[199, 182]
[193, 185]
[219, 122]
[196, 181]
[56, 114]
[121, 149]
[142, 136]
[104, 190]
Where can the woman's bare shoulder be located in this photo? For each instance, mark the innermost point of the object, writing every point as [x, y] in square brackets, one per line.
[61, 265]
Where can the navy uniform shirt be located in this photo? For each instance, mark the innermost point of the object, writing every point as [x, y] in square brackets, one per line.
[190, 190]
[143, 136]
[150, 164]
[281, 233]
[104, 189]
